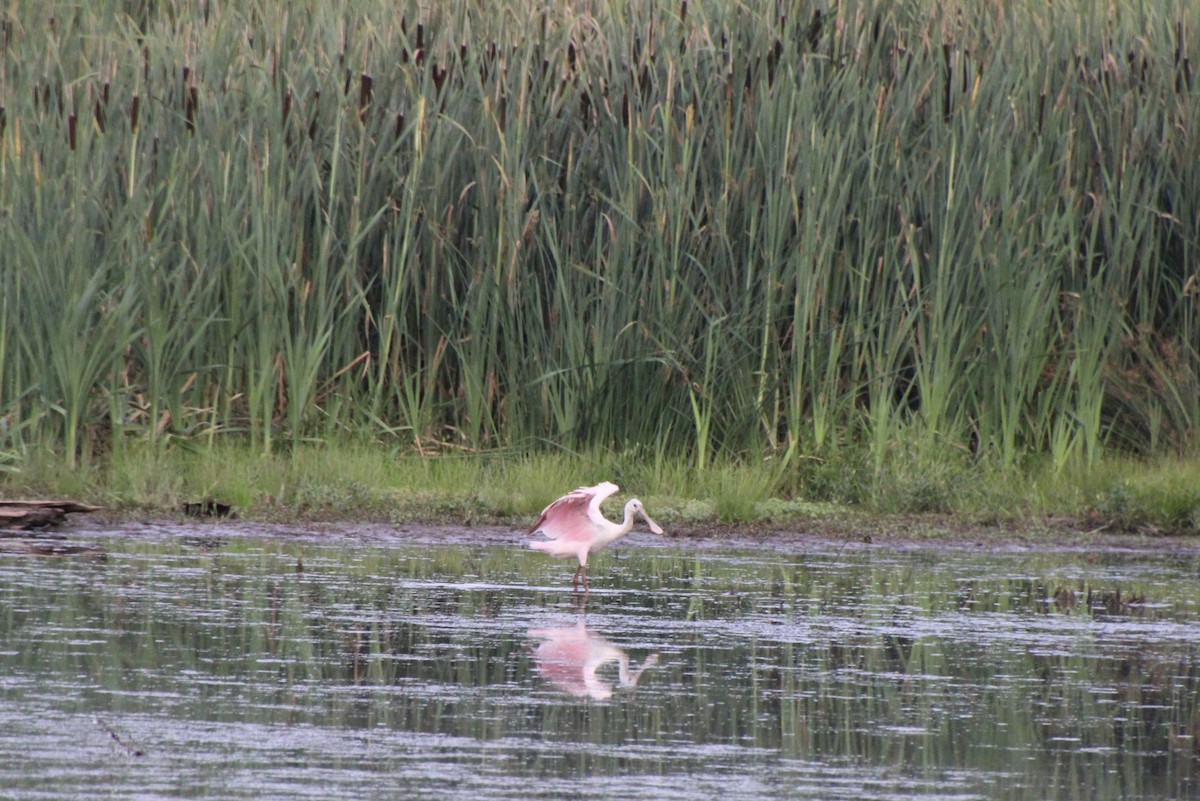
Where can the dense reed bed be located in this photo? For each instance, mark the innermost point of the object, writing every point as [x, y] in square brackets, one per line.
[702, 228]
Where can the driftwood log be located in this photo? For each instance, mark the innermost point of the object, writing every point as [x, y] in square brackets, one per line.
[25, 515]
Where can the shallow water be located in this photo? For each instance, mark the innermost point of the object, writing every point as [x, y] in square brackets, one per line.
[242, 662]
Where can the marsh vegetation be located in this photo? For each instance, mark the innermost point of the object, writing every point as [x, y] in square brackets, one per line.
[885, 248]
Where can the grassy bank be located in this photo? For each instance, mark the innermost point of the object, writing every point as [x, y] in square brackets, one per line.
[867, 247]
[371, 483]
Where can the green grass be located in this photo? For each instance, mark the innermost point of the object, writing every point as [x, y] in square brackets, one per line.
[866, 249]
[367, 482]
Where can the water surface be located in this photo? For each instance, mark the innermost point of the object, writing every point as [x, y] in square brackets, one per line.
[243, 662]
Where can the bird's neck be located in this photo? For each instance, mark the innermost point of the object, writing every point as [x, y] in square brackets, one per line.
[617, 531]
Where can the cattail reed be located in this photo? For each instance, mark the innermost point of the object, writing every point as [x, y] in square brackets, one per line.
[365, 83]
[861, 226]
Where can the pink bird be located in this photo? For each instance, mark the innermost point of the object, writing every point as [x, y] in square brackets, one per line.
[576, 528]
[570, 656]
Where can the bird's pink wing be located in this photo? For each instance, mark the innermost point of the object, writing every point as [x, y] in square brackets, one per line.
[568, 517]
[599, 493]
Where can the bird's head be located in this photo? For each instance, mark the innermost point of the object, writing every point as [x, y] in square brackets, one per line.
[635, 507]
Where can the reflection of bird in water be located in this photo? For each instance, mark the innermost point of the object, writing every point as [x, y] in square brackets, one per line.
[569, 657]
[575, 526]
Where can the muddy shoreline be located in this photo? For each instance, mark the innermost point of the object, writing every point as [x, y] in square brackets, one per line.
[794, 537]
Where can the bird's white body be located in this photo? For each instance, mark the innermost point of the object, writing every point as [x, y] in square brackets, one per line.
[575, 528]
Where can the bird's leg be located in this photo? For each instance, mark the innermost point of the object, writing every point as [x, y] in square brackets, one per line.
[585, 581]
[575, 579]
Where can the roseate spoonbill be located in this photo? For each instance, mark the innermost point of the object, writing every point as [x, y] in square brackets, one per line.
[576, 528]
[569, 656]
